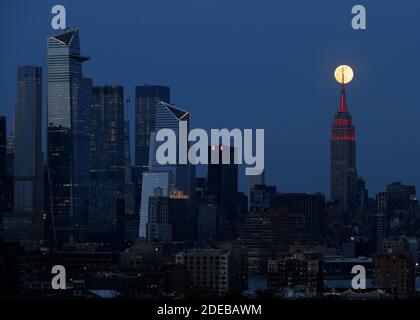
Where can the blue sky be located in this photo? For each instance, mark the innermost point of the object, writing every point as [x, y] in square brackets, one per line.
[252, 64]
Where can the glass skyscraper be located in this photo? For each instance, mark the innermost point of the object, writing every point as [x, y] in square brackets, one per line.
[168, 117]
[28, 164]
[151, 181]
[107, 164]
[69, 100]
[147, 98]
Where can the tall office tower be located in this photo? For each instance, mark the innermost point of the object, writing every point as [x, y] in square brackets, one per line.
[379, 228]
[2, 164]
[10, 156]
[222, 180]
[159, 228]
[69, 101]
[108, 165]
[28, 164]
[182, 174]
[147, 98]
[302, 214]
[183, 224]
[129, 185]
[253, 181]
[151, 181]
[343, 160]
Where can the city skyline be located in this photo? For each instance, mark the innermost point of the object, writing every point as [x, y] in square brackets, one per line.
[286, 144]
[105, 194]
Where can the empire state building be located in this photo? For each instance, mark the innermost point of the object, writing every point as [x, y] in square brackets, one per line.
[343, 159]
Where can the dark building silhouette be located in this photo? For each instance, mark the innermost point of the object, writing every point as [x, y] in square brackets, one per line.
[222, 181]
[9, 169]
[183, 224]
[158, 228]
[260, 198]
[10, 154]
[343, 160]
[2, 163]
[129, 181]
[400, 205]
[108, 167]
[28, 162]
[69, 101]
[258, 240]
[303, 269]
[394, 271]
[147, 97]
[208, 224]
[300, 215]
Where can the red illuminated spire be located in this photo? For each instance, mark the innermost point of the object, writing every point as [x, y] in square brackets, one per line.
[343, 103]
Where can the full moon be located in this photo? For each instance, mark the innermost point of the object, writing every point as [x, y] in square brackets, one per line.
[343, 74]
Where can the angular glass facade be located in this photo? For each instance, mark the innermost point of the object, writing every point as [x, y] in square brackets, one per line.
[69, 100]
[168, 117]
[108, 167]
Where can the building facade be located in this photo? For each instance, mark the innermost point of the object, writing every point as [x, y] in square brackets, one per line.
[28, 163]
[69, 101]
[108, 167]
[147, 98]
[343, 160]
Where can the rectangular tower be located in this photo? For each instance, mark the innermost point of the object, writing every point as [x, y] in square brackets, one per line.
[28, 164]
[69, 100]
[343, 160]
[107, 165]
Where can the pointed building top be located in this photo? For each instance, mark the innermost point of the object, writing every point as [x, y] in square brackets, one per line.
[67, 36]
[177, 112]
[343, 102]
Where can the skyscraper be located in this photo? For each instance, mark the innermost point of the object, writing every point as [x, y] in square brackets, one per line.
[129, 185]
[147, 98]
[222, 180]
[343, 159]
[183, 175]
[159, 228]
[253, 181]
[107, 165]
[2, 164]
[151, 181]
[28, 164]
[69, 100]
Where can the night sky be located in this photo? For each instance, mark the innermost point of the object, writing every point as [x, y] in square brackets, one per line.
[251, 64]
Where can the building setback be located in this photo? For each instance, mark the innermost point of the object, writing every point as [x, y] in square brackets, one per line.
[343, 160]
